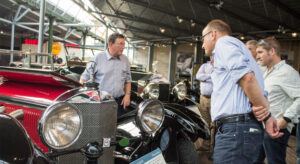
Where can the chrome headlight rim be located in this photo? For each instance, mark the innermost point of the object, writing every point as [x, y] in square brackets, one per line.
[43, 117]
[148, 91]
[175, 90]
[142, 108]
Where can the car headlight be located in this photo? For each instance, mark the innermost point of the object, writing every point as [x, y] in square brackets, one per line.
[150, 116]
[180, 90]
[60, 125]
[151, 91]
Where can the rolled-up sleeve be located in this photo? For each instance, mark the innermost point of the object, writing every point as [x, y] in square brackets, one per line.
[235, 60]
[201, 75]
[128, 73]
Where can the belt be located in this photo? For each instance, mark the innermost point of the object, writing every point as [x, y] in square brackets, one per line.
[234, 118]
[206, 96]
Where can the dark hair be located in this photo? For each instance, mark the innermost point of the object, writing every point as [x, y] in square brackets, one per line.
[219, 26]
[112, 38]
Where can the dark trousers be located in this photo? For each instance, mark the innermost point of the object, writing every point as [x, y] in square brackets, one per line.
[274, 149]
[238, 142]
[121, 110]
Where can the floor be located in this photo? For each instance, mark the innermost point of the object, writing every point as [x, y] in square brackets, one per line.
[291, 153]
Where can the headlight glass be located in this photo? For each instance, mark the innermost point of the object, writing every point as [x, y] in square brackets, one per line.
[180, 90]
[151, 91]
[60, 125]
[150, 116]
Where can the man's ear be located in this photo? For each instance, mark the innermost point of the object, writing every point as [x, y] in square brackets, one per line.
[110, 44]
[213, 34]
[272, 51]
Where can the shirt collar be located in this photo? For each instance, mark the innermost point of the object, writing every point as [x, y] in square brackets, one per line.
[278, 65]
[108, 56]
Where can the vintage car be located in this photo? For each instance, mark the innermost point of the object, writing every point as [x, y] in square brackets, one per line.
[49, 118]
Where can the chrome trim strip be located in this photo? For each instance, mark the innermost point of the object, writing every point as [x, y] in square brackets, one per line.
[22, 102]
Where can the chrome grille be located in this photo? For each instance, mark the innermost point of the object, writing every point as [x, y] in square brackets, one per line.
[99, 121]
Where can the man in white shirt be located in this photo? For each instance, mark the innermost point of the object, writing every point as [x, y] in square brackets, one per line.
[204, 76]
[282, 82]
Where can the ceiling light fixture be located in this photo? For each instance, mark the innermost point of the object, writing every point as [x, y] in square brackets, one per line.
[1, 32]
[191, 44]
[193, 24]
[242, 38]
[180, 20]
[174, 42]
[216, 3]
[294, 34]
[281, 29]
[162, 30]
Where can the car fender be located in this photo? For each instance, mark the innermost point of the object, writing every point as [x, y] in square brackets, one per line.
[16, 145]
[193, 124]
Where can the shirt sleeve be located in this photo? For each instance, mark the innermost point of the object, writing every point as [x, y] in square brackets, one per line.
[235, 60]
[291, 86]
[201, 75]
[128, 73]
[86, 74]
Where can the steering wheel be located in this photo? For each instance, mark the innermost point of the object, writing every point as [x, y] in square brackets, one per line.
[76, 59]
[61, 71]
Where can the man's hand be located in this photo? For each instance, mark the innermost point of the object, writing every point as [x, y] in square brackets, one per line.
[282, 124]
[272, 128]
[126, 101]
[260, 112]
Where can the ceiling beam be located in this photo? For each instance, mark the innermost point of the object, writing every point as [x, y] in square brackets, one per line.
[139, 37]
[122, 15]
[163, 10]
[202, 23]
[266, 18]
[131, 28]
[285, 8]
[144, 20]
[109, 4]
[233, 15]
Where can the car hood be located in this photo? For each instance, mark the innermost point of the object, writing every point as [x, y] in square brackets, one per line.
[41, 77]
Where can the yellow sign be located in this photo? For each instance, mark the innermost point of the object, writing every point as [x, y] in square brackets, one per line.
[56, 48]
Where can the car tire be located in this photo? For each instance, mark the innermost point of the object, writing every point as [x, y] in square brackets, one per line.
[186, 151]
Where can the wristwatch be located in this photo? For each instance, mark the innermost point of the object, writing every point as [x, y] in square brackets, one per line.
[269, 116]
[287, 119]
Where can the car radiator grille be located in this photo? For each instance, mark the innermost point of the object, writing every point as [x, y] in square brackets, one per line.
[99, 121]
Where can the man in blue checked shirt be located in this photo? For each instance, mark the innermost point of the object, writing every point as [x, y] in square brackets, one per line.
[237, 85]
[113, 72]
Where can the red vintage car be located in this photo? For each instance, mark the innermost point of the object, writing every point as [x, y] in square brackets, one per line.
[46, 117]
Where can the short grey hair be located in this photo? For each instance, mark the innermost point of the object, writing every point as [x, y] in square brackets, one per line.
[252, 42]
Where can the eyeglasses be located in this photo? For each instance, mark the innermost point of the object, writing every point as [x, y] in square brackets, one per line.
[266, 44]
[120, 44]
[202, 37]
[261, 41]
